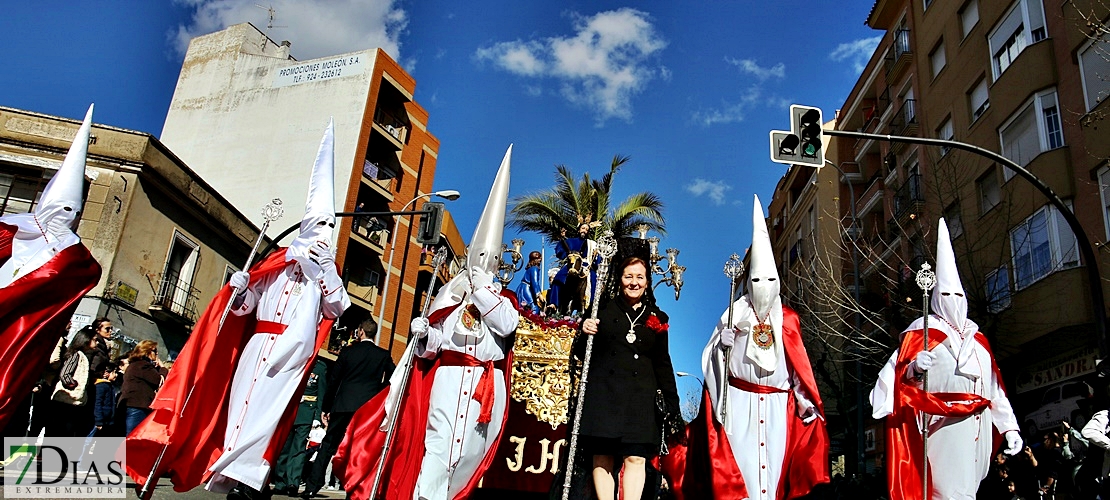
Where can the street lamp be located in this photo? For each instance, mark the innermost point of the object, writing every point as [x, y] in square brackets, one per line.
[447, 194]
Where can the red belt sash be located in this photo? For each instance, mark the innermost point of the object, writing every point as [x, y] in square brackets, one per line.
[483, 393]
[270, 327]
[746, 386]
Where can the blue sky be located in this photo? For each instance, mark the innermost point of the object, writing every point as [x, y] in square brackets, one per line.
[688, 91]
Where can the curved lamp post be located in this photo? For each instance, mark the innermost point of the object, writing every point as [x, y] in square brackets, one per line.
[447, 194]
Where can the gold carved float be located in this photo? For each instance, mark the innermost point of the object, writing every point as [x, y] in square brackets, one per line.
[541, 374]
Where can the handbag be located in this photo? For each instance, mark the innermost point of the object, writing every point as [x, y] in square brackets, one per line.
[69, 369]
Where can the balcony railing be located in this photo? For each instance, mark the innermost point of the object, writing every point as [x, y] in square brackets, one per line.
[905, 121]
[901, 52]
[175, 296]
[909, 197]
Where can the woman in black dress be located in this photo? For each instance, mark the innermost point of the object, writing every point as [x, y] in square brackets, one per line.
[629, 364]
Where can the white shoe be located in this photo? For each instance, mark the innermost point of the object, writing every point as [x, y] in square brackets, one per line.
[331, 488]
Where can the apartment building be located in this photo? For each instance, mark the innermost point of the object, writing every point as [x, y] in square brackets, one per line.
[248, 118]
[1026, 79]
[166, 240]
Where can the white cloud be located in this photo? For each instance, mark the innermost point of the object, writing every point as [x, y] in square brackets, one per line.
[751, 67]
[857, 51]
[317, 28]
[601, 67]
[735, 111]
[715, 191]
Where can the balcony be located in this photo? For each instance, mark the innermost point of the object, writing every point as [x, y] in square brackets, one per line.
[909, 199]
[392, 127]
[378, 179]
[175, 299]
[905, 120]
[375, 240]
[901, 55]
[871, 196]
[365, 295]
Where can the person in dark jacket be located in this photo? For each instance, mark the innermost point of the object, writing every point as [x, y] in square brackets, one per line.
[104, 407]
[361, 371]
[629, 364]
[102, 330]
[140, 383]
[290, 464]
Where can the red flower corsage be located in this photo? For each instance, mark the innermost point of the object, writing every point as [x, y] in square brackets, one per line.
[655, 325]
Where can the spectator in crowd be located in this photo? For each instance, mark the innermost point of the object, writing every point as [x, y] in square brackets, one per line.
[71, 413]
[140, 382]
[1074, 452]
[289, 469]
[360, 372]
[102, 328]
[1049, 460]
[104, 408]
[1023, 472]
[104, 404]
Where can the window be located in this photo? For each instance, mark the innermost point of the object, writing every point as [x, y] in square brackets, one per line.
[978, 99]
[1094, 65]
[1033, 129]
[936, 57]
[990, 192]
[1041, 245]
[926, 4]
[998, 289]
[1104, 192]
[969, 17]
[1022, 25]
[228, 271]
[945, 132]
[952, 218]
[21, 189]
[175, 290]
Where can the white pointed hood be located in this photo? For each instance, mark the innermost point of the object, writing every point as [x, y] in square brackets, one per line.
[320, 206]
[763, 294]
[484, 251]
[948, 299]
[763, 277]
[59, 208]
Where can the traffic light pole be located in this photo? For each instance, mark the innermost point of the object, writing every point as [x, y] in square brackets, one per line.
[276, 239]
[1094, 279]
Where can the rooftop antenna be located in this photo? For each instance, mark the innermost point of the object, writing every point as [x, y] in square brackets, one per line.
[270, 10]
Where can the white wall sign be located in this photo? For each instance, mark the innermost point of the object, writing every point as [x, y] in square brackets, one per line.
[1057, 369]
[317, 71]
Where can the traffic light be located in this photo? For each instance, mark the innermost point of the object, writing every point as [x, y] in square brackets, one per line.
[430, 224]
[806, 123]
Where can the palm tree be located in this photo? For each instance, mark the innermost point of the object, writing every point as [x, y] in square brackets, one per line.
[549, 212]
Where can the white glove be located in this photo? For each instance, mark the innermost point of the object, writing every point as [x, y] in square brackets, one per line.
[480, 278]
[239, 281]
[320, 253]
[1013, 442]
[728, 337]
[925, 360]
[419, 327]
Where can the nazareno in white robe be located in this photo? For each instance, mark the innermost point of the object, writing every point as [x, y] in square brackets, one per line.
[271, 367]
[757, 423]
[960, 449]
[455, 443]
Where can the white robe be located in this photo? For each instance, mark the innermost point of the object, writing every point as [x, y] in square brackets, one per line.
[756, 423]
[455, 443]
[271, 368]
[960, 449]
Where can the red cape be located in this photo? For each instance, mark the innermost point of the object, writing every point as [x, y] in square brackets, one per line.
[706, 468]
[903, 439]
[192, 436]
[356, 461]
[34, 310]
